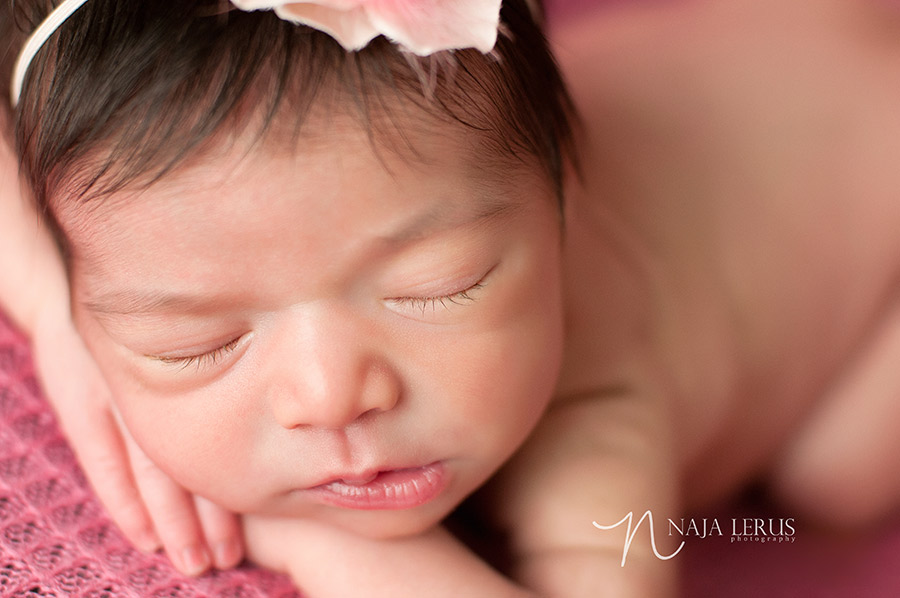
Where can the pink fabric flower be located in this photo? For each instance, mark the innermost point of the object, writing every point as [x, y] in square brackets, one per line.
[421, 26]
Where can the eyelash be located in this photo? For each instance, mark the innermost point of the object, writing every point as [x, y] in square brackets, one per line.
[458, 298]
[201, 360]
[210, 358]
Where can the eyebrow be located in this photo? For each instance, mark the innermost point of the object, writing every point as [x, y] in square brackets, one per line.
[442, 218]
[135, 302]
[141, 301]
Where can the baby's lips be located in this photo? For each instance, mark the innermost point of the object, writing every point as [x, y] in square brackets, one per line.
[388, 489]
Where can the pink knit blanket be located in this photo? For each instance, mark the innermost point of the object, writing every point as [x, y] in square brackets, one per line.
[55, 537]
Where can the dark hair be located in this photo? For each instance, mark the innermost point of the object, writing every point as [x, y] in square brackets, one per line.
[125, 90]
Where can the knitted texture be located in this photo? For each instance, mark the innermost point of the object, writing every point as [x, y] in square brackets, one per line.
[55, 537]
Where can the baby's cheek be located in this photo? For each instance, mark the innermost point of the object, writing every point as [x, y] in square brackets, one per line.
[164, 431]
[187, 439]
[516, 376]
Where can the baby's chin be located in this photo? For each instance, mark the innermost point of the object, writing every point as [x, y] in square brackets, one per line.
[387, 524]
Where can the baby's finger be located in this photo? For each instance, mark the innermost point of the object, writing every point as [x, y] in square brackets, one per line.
[173, 512]
[223, 533]
[81, 399]
[103, 456]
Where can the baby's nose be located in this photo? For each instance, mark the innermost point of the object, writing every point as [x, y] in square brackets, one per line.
[330, 375]
[334, 403]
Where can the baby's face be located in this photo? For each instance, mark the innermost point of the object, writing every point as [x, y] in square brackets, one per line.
[338, 334]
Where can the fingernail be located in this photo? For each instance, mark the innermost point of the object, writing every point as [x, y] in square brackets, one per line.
[227, 554]
[148, 542]
[194, 560]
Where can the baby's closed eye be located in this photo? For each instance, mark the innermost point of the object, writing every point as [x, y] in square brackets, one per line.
[203, 359]
[460, 294]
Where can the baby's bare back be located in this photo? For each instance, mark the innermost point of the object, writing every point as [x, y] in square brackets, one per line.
[736, 239]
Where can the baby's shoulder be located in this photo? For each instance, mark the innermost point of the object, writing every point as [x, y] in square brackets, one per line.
[713, 296]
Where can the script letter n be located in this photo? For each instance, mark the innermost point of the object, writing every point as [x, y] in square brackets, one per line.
[630, 533]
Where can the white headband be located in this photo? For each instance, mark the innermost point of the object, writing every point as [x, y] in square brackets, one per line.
[36, 40]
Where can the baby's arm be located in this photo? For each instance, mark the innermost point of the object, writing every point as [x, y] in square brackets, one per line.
[327, 562]
[34, 293]
[594, 458]
[841, 466]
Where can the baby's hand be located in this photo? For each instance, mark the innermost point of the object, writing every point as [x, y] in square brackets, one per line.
[150, 509]
[325, 562]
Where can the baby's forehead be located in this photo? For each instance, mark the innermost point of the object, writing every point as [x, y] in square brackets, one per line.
[404, 144]
[405, 137]
[342, 181]
[259, 229]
